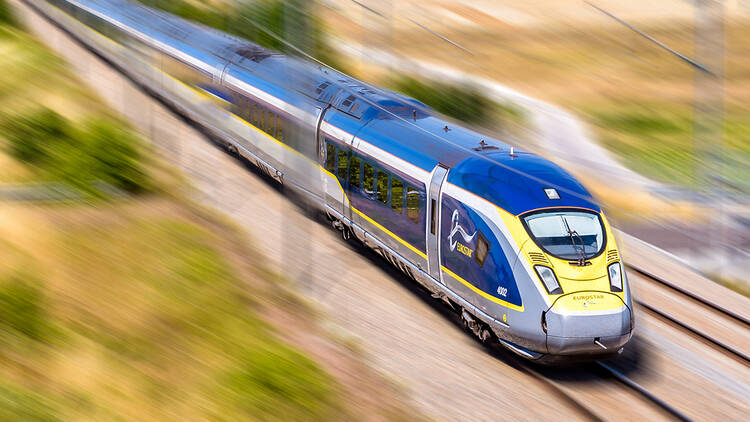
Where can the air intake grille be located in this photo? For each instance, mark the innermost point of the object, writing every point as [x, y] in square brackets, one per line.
[538, 258]
[612, 255]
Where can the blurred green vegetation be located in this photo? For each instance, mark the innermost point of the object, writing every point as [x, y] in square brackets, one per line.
[294, 21]
[100, 150]
[19, 404]
[22, 307]
[6, 16]
[658, 141]
[166, 327]
[464, 103]
[738, 286]
[86, 146]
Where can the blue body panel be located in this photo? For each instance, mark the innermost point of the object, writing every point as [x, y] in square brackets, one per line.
[387, 120]
[516, 184]
[495, 275]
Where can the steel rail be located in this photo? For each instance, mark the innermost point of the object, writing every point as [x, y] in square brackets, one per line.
[691, 295]
[642, 391]
[560, 391]
[697, 332]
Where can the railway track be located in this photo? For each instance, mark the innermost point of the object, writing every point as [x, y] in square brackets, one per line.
[732, 318]
[606, 373]
[610, 371]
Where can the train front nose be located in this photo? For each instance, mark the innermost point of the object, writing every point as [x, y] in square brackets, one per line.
[590, 326]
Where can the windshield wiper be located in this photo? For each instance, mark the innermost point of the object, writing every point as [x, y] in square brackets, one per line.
[573, 234]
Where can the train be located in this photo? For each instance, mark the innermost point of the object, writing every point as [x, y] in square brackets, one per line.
[511, 241]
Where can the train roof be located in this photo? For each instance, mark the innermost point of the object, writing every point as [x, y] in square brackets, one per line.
[393, 122]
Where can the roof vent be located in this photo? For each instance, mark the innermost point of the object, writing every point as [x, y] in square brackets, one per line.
[484, 146]
[322, 87]
[254, 53]
[348, 101]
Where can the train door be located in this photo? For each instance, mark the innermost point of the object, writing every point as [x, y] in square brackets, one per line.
[433, 220]
[333, 156]
[321, 148]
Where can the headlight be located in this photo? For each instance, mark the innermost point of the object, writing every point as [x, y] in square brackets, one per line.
[548, 279]
[615, 277]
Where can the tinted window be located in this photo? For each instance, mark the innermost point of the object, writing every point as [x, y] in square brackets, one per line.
[279, 129]
[256, 116]
[382, 187]
[271, 123]
[354, 172]
[412, 204]
[567, 234]
[342, 165]
[483, 248]
[262, 121]
[397, 195]
[330, 158]
[368, 179]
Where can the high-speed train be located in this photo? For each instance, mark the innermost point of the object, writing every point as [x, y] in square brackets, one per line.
[510, 240]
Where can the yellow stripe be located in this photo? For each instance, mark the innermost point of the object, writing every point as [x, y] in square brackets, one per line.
[402, 241]
[371, 221]
[483, 293]
[264, 133]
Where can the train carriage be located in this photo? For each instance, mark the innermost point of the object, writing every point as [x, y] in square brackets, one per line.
[508, 238]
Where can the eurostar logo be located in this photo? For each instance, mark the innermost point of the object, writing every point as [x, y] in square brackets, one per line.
[456, 229]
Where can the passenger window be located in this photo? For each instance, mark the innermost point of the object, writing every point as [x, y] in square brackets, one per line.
[239, 104]
[271, 123]
[245, 111]
[368, 180]
[483, 249]
[330, 158]
[262, 120]
[354, 172]
[256, 116]
[382, 187]
[397, 195]
[279, 130]
[343, 165]
[412, 204]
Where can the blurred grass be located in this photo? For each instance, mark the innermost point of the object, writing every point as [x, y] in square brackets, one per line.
[100, 150]
[738, 286]
[18, 404]
[294, 21]
[6, 17]
[461, 102]
[658, 140]
[637, 97]
[155, 321]
[87, 146]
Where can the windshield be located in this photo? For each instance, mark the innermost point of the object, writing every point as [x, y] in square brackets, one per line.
[569, 235]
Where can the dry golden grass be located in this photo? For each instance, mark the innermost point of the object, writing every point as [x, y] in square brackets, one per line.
[638, 98]
[151, 310]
